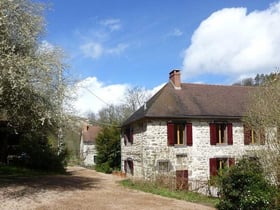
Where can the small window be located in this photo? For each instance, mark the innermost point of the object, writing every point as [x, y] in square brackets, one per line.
[163, 166]
[179, 134]
[253, 136]
[94, 158]
[221, 133]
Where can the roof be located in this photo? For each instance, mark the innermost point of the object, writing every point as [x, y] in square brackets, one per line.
[90, 133]
[195, 101]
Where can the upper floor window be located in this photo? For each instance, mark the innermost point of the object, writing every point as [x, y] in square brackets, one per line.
[253, 136]
[221, 133]
[128, 135]
[218, 164]
[179, 134]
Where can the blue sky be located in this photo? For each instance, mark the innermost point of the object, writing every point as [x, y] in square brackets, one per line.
[116, 44]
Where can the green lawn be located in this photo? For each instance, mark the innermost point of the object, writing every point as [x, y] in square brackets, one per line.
[153, 188]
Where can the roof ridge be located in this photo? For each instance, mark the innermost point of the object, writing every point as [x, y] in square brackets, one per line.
[217, 85]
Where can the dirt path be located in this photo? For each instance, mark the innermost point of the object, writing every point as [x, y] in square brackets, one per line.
[84, 189]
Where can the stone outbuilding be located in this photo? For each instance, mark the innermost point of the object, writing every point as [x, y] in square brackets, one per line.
[88, 151]
[188, 132]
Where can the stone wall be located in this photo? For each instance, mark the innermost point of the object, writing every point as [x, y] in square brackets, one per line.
[150, 146]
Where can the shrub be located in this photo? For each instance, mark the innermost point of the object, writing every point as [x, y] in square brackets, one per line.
[37, 153]
[245, 187]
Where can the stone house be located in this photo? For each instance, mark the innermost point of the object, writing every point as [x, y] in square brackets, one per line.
[187, 131]
[88, 151]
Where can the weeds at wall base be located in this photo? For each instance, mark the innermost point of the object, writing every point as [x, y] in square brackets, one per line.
[154, 188]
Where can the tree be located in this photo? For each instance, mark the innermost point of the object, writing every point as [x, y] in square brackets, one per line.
[264, 115]
[108, 143]
[32, 87]
[245, 187]
[108, 148]
[135, 97]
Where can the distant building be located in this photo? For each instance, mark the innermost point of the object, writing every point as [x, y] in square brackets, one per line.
[88, 151]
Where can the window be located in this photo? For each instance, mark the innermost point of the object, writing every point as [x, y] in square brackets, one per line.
[128, 166]
[179, 134]
[221, 133]
[128, 135]
[217, 164]
[252, 136]
[94, 158]
[163, 166]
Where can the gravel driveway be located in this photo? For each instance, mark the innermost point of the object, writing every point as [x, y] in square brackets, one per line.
[84, 189]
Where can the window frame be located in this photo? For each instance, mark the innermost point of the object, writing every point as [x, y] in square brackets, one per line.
[179, 133]
[221, 135]
[162, 169]
[253, 137]
[215, 164]
[128, 135]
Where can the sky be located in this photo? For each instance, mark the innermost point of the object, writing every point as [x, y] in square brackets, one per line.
[113, 45]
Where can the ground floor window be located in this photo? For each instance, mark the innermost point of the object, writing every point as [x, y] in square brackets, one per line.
[128, 166]
[218, 164]
[163, 166]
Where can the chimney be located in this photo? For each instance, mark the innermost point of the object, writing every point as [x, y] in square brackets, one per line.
[175, 78]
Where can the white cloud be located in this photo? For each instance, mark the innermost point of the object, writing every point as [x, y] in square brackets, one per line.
[118, 49]
[92, 49]
[112, 24]
[95, 50]
[92, 95]
[177, 32]
[235, 43]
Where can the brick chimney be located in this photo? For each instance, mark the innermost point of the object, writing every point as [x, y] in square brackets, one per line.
[175, 78]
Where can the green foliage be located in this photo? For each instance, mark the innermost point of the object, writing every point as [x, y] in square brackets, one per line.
[244, 187]
[31, 83]
[36, 153]
[153, 187]
[108, 149]
[259, 80]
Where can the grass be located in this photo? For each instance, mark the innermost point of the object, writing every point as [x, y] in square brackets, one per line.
[14, 171]
[153, 188]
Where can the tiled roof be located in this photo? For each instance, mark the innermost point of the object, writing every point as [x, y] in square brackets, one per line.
[195, 101]
[90, 133]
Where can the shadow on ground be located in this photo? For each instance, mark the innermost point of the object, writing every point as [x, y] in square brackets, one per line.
[16, 187]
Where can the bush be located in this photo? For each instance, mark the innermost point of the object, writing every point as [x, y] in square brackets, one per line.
[104, 167]
[245, 187]
[37, 153]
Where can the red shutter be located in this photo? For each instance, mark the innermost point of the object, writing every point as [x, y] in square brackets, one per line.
[229, 134]
[231, 162]
[170, 134]
[247, 135]
[213, 166]
[189, 134]
[213, 137]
